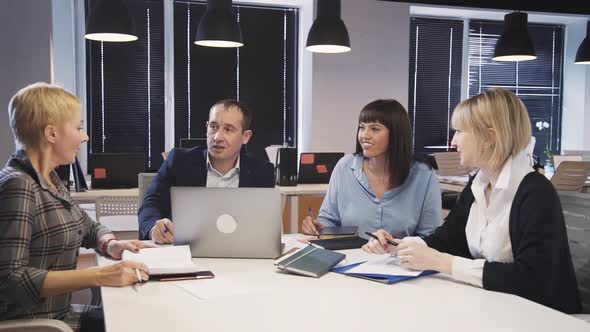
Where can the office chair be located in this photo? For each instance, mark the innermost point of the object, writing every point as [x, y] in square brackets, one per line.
[558, 159]
[449, 164]
[576, 208]
[113, 206]
[34, 325]
[144, 180]
[571, 176]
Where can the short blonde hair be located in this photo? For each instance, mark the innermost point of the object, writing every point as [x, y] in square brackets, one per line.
[500, 110]
[36, 106]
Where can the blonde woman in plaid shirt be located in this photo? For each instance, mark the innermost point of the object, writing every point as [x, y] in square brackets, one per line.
[41, 227]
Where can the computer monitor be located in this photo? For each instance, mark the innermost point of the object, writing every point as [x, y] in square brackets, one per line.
[317, 167]
[116, 170]
[192, 142]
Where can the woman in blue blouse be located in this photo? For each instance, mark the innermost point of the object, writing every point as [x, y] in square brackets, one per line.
[381, 186]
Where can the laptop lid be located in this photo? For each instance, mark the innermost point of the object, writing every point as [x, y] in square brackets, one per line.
[116, 170]
[228, 222]
[317, 167]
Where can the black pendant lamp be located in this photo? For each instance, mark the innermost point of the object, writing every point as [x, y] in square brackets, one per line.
[515, 43]
[583, 54]
[109, 21]
[218, 27]
[328, 33]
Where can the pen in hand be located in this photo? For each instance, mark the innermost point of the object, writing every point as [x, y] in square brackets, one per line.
[393, 243]
[138, 274]
[312, 219]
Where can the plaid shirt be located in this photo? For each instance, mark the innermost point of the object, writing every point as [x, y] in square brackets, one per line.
[40, 231]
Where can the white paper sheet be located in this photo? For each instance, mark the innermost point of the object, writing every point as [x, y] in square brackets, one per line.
[386, 265]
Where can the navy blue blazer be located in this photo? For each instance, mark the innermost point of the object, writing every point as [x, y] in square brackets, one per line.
[188, 168]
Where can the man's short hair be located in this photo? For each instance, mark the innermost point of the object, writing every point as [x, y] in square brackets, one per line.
[246, 114]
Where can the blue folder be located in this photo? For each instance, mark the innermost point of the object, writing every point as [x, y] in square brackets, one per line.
[383, 278]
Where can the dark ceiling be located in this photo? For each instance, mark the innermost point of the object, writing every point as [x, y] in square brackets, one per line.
[581, 7]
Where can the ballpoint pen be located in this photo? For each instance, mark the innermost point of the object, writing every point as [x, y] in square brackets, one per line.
[393, 243]
[312, 218]
[138, 274]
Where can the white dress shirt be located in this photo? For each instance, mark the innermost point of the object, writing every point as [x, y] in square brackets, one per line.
[215, 179]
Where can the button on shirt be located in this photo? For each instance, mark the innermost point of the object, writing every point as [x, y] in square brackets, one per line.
[413, 208]
[487, 232]
[216, 180]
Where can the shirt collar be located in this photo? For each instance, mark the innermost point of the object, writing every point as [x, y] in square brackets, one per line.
[515, 167]
[236, 167]
[357, 165]
[21, 160]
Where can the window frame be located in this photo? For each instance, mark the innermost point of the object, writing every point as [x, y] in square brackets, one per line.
[304, 68]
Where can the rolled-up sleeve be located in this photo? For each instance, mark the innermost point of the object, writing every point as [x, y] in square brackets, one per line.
[19, 283]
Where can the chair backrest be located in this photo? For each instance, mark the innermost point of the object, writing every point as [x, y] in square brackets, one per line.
[116, 206]
[571, 175]
[558, 159]
[144, 180]
[449, 164]
[34, 325]
[576, 210]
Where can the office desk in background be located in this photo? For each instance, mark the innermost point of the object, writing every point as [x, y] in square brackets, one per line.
[290, 200]
[250, 295]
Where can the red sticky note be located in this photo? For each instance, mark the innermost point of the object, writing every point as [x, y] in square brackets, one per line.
[322, 169]
[307, 158]
[100, 173]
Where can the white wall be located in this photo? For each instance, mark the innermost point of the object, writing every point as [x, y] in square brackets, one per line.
[576, 93]
[376, 67]
[25, 33]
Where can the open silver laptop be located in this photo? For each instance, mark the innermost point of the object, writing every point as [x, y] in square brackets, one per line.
[228, 222]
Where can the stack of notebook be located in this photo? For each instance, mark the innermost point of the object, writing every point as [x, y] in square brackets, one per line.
[339, 238]
[309, 261]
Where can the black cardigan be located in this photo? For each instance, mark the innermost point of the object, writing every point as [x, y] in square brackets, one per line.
[542, 270]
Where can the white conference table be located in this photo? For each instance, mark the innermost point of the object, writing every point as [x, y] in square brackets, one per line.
[250, 295]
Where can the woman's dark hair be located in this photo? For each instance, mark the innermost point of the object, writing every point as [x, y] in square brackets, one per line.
[394, 117]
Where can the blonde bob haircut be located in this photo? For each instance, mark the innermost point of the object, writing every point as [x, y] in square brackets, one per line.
[36, 106]
[495, 115]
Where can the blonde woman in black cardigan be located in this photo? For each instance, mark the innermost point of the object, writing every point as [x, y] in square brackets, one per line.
[507, 231]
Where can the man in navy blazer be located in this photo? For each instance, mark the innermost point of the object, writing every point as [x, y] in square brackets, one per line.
[221, 164]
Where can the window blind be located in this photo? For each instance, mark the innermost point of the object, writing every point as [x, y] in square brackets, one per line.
[262, 74]
[435, 81]
[125, 87]
[536, 82]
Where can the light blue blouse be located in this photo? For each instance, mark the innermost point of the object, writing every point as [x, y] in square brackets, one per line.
[412, 209]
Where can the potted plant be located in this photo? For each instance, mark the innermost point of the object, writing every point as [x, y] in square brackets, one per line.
[544, 126]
